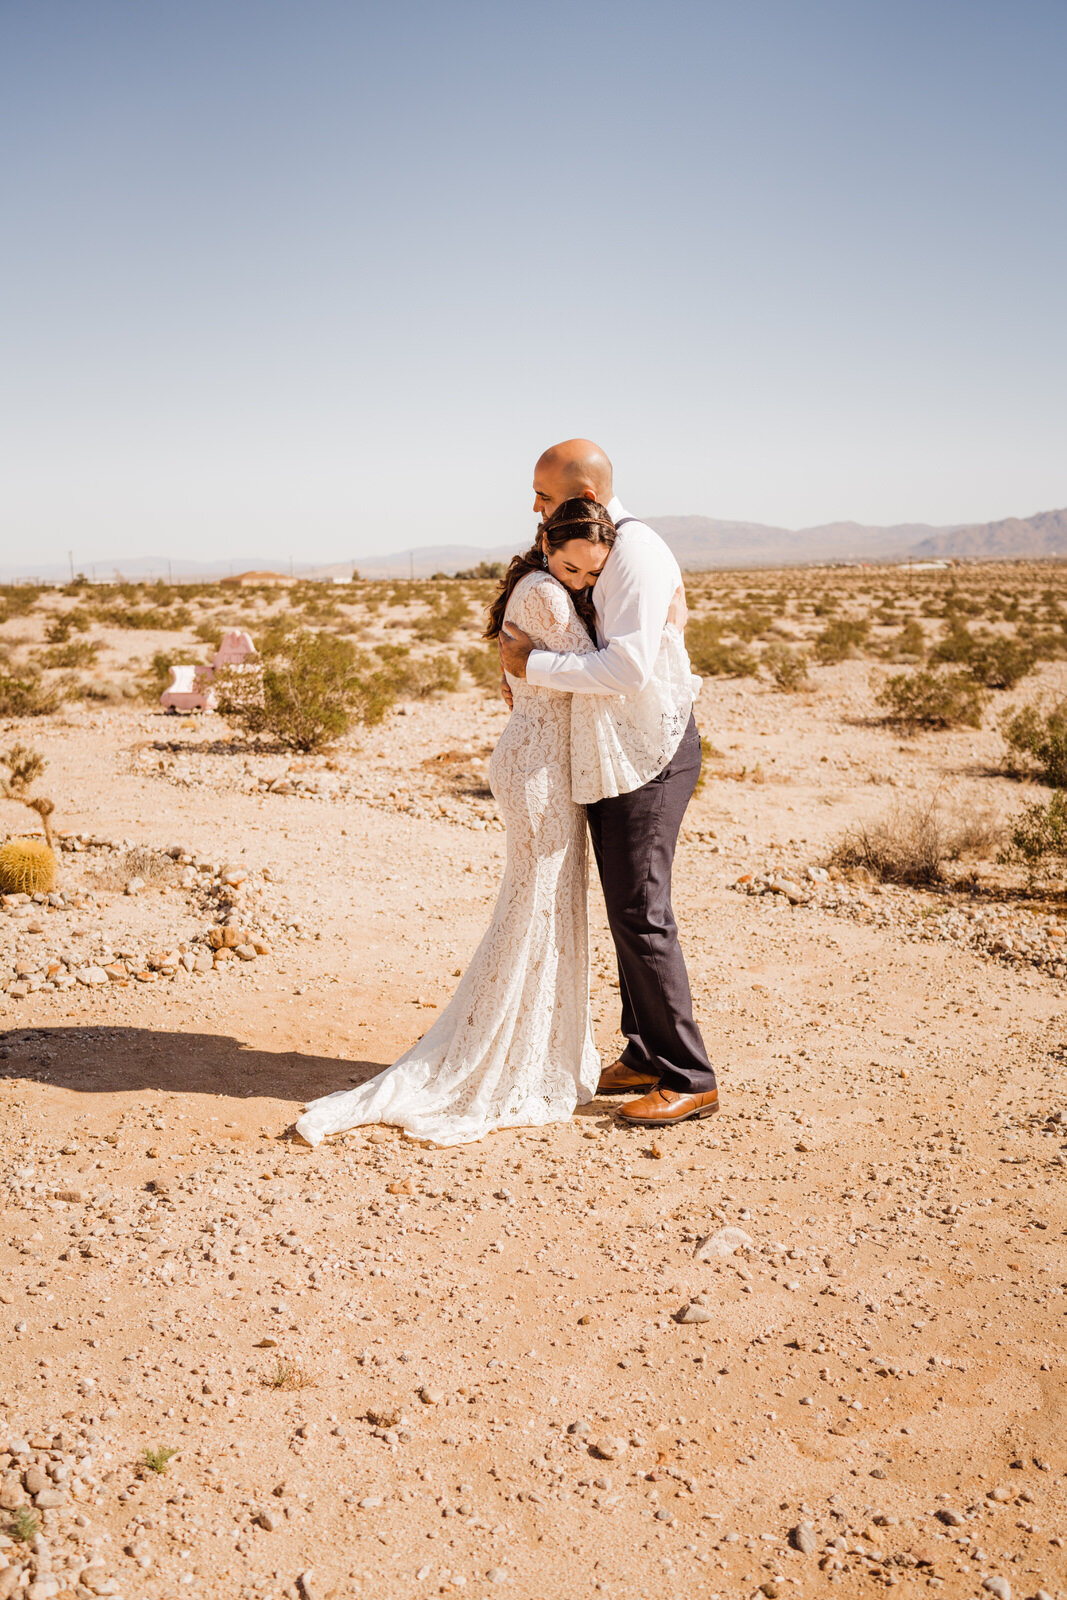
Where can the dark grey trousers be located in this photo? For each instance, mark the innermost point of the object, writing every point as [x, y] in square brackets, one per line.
[634, 837]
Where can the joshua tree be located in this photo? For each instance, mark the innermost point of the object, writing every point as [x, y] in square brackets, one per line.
[20, 768]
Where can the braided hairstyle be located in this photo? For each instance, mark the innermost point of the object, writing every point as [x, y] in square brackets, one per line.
[572, 519]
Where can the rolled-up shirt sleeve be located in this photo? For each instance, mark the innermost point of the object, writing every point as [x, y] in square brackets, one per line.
[636, 598]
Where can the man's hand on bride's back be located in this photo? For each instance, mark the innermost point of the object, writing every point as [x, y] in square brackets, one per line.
[678, 611]
[505, 692]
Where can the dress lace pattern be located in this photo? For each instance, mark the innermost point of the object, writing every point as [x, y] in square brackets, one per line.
[514, 1046]
[619, 742]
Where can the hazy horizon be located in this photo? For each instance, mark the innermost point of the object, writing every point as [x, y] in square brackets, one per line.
[287, 279]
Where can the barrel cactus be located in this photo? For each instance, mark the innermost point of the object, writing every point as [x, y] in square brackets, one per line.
[27, 866]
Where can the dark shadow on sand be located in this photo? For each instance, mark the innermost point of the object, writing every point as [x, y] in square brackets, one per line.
[103, 1060]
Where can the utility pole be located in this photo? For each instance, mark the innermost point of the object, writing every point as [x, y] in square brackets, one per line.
[70, 558]
[411, 566]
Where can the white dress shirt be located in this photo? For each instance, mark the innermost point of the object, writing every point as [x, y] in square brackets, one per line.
[634, 695]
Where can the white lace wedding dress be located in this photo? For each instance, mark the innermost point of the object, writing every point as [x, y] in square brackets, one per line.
[514, 1046]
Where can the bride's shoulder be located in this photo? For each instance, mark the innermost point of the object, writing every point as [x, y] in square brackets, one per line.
[540, 591]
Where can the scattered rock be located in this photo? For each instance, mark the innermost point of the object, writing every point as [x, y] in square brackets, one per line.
[721, 1245]
[803, 1538]
[609, 1448]
[998, 1586]
[950, 1518]
[694, 1313]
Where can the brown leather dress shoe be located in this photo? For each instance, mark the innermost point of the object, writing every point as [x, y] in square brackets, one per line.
[664, 1107]
[620, 1079]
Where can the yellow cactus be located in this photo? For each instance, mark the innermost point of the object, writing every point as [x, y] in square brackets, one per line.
[27, 866]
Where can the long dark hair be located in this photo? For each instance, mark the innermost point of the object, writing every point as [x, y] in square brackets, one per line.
[573, 519]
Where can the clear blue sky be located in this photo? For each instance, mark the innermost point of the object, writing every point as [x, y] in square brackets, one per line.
[321, 279]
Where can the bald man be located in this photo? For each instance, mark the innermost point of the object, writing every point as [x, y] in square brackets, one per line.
[637, 805]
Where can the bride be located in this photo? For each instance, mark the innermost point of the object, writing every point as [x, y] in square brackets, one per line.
[514, 1047]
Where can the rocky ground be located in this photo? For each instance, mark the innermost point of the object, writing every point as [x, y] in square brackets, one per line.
[815, 1344]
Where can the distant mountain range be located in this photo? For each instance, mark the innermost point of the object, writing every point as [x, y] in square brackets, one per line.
[698, 542]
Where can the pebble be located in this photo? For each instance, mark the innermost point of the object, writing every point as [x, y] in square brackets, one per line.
[950, 1518]
[431, 1397]
[694, 1313]
[609, 1449]
[998, 1586]
[721, 1245]
[497, 1575]
[804, 1538]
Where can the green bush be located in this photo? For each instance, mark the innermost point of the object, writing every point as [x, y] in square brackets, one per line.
[484, 569]
[75, 653]
[907, 645]
[932, 700]
[711, 656]
[1042, 736]
[484, 667]
[313, 688]
[28, 696]
[1039, 836]
[788, 668]
[448, 612]
[156, 676]
[997, 662]
[841, 639]
[411, 677]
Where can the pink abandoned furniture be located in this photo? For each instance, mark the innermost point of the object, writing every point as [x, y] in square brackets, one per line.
[190, 688]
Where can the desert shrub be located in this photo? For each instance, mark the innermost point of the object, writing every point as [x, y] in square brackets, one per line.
[1041, 736]
[1039, 836]
[411, 677]
[18, 599]
[915, 839]
[997, 662]
[483, 665]
[313, 688]
[907, 645]
[932, 700]
[61, 627]
[748, 624]
[485, 569]
[956, 643]
[74, 653]
[711, 655]
[448, 612]
[28, 696]
[209, 633]
[788, 668]
[841, 639]
[162, 620]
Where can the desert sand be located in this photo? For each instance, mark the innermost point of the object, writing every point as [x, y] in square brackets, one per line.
[540, 1366]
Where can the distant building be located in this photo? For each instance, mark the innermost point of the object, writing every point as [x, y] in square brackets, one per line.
[257, 580]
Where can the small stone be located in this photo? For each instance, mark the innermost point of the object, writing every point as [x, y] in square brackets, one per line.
[92, 977]
[497, 1575]
[35, 1480]
[694, 1313]
[269, 1521]
[134, 885]
[721, 1245]
[609, 1448]
[10, 1578]
[308, 1587]
[950, 1518]
[431, 1397]
[399, 1188]
[580, 1428]
[803, 1538]
[387, 1417]
[245, 952]
[998, 1586]
[770, 1589]
[663, 1515]
[50, 1499]
[43, 1588]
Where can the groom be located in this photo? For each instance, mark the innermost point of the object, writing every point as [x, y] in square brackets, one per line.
[634, 834]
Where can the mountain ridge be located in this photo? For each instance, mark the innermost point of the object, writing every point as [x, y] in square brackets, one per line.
[698, 542]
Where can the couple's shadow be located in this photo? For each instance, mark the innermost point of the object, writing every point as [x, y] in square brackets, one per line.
[109, 1060]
